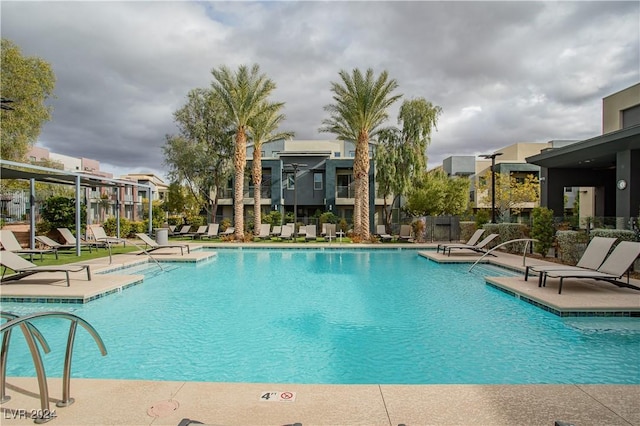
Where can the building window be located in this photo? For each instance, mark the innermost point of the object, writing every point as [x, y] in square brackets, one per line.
[345, 186]
[336, 154]
[291, 181]
[352, 154]
[317, 181]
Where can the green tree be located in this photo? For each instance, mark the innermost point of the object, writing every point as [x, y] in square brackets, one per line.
[263, 130]
[512, 193]
[542, 229]
[200, 156]
[175, 202]
[401, 153]
[244, 94]
[360, 108]
[27, 82]
[436, 194]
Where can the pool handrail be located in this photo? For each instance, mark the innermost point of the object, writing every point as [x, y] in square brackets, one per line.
[524, 253]
[6, 338]
[24, 322]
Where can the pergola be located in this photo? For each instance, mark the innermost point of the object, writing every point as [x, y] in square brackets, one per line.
[32, 173]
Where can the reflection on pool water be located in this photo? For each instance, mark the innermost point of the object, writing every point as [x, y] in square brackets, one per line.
[332, 316]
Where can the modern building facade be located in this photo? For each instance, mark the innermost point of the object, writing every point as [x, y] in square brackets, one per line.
[607, 165]
[306, 176]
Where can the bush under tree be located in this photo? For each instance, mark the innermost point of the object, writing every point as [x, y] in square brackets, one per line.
[542, 230]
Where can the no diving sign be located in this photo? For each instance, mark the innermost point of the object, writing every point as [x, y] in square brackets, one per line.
[278, 396]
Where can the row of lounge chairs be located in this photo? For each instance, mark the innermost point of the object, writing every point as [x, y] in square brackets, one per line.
[596, 263]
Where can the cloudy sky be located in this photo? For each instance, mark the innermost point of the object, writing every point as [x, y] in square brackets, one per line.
[503, 72]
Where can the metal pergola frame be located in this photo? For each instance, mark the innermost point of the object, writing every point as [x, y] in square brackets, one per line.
[33, 173]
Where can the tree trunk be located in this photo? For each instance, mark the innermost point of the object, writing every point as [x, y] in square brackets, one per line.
[257, 188]
[239, 161]
[361, 170]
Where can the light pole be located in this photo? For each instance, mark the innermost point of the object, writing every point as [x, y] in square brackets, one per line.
[296, 167]
[493, 183]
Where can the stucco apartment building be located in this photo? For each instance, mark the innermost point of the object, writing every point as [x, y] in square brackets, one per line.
[102, 201]
[310, 175]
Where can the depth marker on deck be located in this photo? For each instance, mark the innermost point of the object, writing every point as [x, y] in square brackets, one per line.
[277, 396]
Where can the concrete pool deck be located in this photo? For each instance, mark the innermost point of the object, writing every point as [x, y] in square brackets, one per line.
[135, 402]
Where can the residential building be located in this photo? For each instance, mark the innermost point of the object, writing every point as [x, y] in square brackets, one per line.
[308, 175]
[606, 167]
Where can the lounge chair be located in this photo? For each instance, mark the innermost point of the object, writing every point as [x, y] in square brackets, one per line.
[330, 231]
[70, 239]
[471, 241]
[155, 246]
[183, 231]
[10, 243]
[228, 232]
[198, 233]
[212, 231]
[612, 269]
[24, 268]
[381, 232]
[172, 229]
[591, 259]
[405, 233]
[479, 247]
[310, 233]
[265, 231]
[100, 235]
[302, 231]
[48, 242]
[276, 231]
[287, 232]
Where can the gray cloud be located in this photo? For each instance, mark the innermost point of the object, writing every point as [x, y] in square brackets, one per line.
[504, 72]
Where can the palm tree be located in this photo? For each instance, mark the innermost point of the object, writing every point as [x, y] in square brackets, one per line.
[361, 104]
[263, 127]
[244, 93]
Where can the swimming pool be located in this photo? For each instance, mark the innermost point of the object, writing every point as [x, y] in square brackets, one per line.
[334, 317]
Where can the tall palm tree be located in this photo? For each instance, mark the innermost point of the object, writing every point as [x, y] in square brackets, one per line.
[360, 108]
[263, 127]
[244, 93]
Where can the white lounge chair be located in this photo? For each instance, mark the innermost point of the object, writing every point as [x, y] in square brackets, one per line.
[183, 231]
[471, 241]
[48, 242]
[228, 232]
[276, 231]
[100, 235]
[479, 247]
[156, 246]
[595, 254]
[381, 232]
[612, 269]
[24, 268]
[287, 232]
[69, 238]
[202, 230]
[265, 231]
[330, 231]
[405, 233]
[212, 231]
[10, 243]
[310, 233]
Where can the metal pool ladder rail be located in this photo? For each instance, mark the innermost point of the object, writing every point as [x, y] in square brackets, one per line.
[30, 332]
[524, 252]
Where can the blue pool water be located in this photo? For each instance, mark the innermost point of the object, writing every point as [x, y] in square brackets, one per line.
[333, 316]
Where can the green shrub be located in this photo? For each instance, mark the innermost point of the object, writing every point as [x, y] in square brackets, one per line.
[110, 227]
[273, 218]
[542, 229]
[196, 220]
[621, 234]
[571, 245]
[60, 212]
[175, 220]
[482, 217]
[466, 230]
[507, 232]
[328, 217]
[137, 227]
